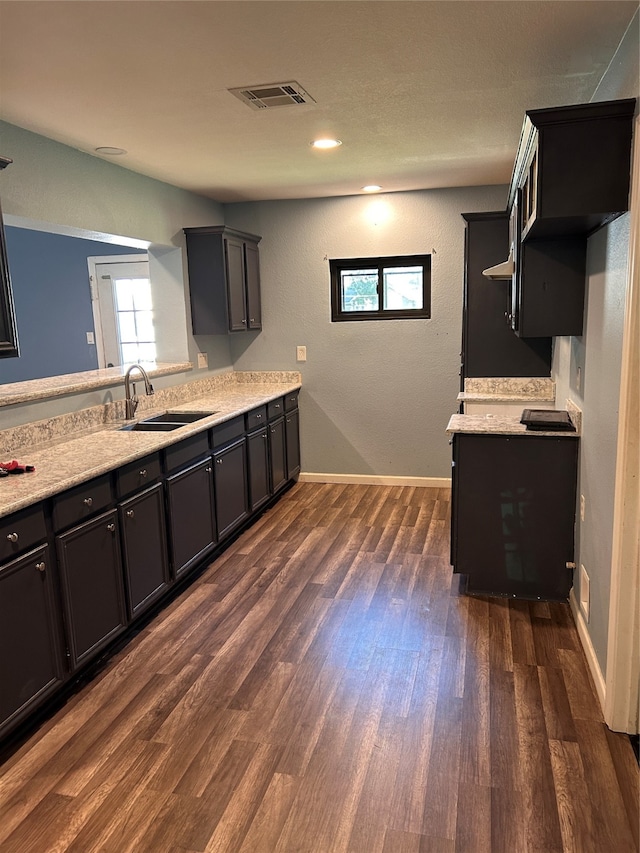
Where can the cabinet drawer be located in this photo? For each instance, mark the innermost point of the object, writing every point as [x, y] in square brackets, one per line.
[82, 502]
[21, 531]
[135, 476]
[179, 455]
[275, 408]
[291, 401]
[256, 418]
[227, 431]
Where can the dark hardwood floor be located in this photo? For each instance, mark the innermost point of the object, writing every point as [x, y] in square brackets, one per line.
[322, 687]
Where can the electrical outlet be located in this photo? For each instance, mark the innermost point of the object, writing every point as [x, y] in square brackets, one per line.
[301, 353]
[584, 592]
[91, 338]
[581, 507]
[203, 359]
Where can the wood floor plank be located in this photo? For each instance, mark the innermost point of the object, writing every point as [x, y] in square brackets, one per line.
[326, 687]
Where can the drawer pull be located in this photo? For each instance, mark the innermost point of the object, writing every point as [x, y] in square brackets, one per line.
[41, 566]
[88, 501]
[218, 461]
[258, 417]
[143, 472]
[111, 527]
[208, 469]
[276, 405]
[13, 537]
[130, 513]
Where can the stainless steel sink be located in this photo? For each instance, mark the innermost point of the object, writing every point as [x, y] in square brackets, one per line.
[177, 417]
[166, 421]
[149, 426]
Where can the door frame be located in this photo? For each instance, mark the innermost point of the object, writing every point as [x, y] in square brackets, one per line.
[622, 688]
[92, 262]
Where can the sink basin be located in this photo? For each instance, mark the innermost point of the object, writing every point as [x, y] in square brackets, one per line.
[149, 426]
[177, 417]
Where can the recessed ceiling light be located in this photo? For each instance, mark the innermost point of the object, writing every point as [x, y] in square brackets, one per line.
[111, 152]
[326, 143]
[371, 188]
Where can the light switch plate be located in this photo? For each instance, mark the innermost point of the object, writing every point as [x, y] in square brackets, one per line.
[203, 359]
[301, 353]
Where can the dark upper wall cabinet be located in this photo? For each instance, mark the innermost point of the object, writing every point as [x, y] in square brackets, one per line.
[573, 166]
[8, 331]
[490, 347]
[571, 175]
[224, 280]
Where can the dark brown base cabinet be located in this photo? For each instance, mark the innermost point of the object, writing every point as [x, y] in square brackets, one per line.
[258, 460]
[231, 487]
[30, 649]
[92, 585]
[513, 514]
[191, 508]
[277, 454]
[292, 436]
[144, 548]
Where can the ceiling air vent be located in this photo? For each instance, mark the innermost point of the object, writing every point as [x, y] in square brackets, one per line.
[273, 95]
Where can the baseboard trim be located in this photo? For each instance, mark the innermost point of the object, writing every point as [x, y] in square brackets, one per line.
[374, 480]
[590, 653]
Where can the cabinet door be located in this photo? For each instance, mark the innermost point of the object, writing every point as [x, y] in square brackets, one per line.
[277, 455]
[191, 515]
[254, 306]
[258, 453]
[230, 476]
[146, 563]
[30, 653]
[234, 259]
[292, 431]
[92, 585]
[508, 490]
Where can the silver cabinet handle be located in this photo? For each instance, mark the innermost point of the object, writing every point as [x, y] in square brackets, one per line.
[218, 461]
[258, 417]
[41, 566]
[208, 469]
[130, 513]
[88, 501]
[13, 537]
[111, 527]
[252, 319]
[276, 405]
[143, 473]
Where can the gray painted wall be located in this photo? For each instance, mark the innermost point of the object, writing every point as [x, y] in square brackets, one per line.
[376, 395]
[598, 354]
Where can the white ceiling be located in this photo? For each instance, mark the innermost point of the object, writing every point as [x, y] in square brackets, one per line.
[422, 94]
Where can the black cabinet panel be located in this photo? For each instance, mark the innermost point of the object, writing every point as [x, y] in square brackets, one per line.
[490, 347]
[258, 458]
[146, 561]
[230, 480]
[92, 585]
[191, 516]
[292, 433]
[277, 454]
[30, 653]
[513, 509]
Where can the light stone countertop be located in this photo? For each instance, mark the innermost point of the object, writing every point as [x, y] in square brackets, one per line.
[63, 464]
[508, 390]
[491, 425]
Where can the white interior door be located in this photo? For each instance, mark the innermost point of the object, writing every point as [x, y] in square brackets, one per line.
[122, 309]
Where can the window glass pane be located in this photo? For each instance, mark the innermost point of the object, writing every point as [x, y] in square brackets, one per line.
[124, 293]
[146, 352]
[129, 353]
[359, 290]
[127, 327]
[142, 294]
[144, 326]
[402, 288]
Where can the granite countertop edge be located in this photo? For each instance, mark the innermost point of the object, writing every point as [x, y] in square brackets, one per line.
[65, 464]
[484, 397]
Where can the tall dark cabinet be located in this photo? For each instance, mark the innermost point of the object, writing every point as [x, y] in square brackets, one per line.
[490, 347]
